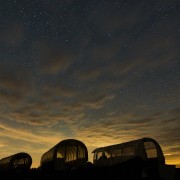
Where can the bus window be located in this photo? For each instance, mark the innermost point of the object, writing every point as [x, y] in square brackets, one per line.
[99, 154]
[107, 154]
[150, 149]
[116, 152]
[60, 152]
[129, 151]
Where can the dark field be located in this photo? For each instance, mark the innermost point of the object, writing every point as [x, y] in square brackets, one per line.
[134, 169]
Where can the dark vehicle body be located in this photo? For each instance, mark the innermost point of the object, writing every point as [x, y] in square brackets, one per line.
[17, 161]
[151, 160]
[146, 148]
[67, 154]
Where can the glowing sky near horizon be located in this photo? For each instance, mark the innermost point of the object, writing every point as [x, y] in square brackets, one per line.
[100, 71]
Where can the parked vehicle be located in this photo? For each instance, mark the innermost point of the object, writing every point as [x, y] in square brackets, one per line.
[15, 163]
[69, 153]
[146, 148]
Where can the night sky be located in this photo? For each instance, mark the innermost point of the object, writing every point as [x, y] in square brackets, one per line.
[100, 71]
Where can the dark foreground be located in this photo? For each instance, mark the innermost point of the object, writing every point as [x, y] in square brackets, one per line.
[134, 170]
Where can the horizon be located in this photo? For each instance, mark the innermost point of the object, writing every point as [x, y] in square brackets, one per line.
[90, 155]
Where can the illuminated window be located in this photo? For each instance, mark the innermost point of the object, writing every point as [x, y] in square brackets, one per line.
[71, 153]
[99, 154]
[60, 152]
[108, 155]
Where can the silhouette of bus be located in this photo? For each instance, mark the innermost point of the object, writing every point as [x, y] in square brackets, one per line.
[144, 153]
[66, 154]
[17, 162]
[146, 149]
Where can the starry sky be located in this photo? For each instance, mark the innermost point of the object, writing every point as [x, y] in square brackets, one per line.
[100, 71]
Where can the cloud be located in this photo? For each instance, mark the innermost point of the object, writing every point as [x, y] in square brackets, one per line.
[175, 111]
[12, 77]
[35, 142]
[49, 112]
[58, 90]
[173, 159]
[3, 145]
[52, 59]
[40, 137]
[121, 128]
[74, 113]
[48, 103]
[36, 114]
[106, 129]
[96, 102]
[18, 133]
[15, 82]
[151, 51]
[150, 46]
[89, 73]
